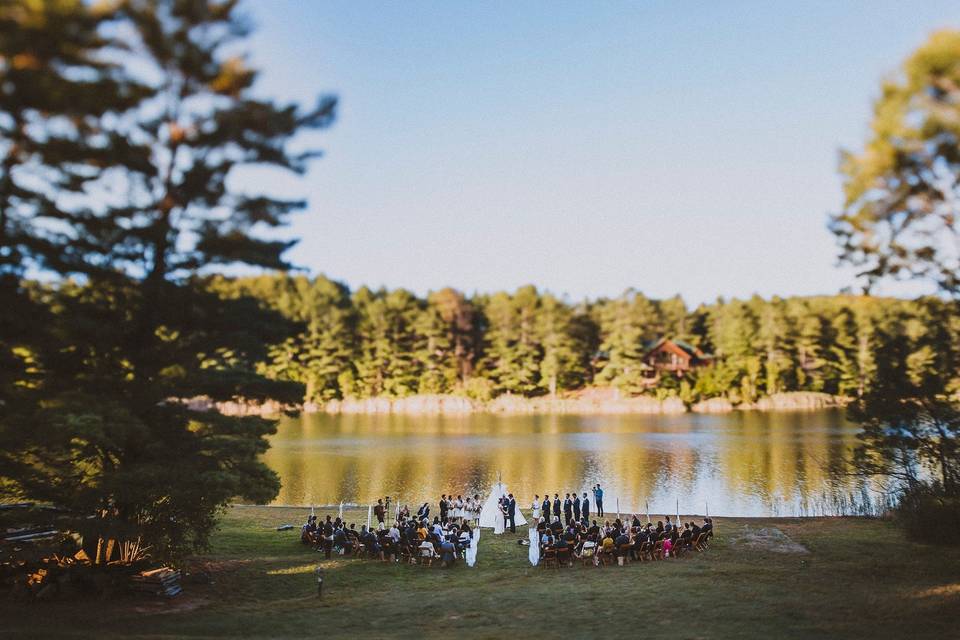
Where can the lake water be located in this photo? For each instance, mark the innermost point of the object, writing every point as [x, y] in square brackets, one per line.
[738, 464]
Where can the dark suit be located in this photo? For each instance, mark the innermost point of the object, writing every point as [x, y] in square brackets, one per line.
[576, 508]
[568, 511]
[556, 507]
[546, 509]
[585, 508]
[512, 514]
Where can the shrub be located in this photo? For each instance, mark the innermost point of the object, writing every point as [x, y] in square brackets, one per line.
[928, 513]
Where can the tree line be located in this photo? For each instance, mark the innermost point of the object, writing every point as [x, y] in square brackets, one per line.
[393, 343]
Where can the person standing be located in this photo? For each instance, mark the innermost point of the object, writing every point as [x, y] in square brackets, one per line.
[546, 508]
[585, 508]
[556, 506]
[379, 511]
[598, 499]
[576, 507]
[567, 510]
[512, 513]
[444, 507]
[535, 508]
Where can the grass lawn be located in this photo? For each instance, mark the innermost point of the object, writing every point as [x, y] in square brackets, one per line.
[857, 579]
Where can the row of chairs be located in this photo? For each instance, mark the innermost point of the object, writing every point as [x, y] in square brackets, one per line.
[552, 557]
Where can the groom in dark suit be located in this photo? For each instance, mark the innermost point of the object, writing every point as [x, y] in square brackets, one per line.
[556, 506]
[546, 508]
[512, 513]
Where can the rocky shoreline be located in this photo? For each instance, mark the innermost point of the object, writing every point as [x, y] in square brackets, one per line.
[606, 403]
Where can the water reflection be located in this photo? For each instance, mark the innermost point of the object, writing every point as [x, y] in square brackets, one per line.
[736, 464]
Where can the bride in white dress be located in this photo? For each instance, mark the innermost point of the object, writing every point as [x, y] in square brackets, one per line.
[535, 508]
[499, 519]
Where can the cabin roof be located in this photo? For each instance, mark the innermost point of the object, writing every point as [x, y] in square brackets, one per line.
[683, 345]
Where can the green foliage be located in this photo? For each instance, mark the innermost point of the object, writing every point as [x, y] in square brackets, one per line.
[901, 189]
[392, 343]
[928, 513]
[143, 155]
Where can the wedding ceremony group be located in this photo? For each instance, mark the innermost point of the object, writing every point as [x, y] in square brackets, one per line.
[454, 533]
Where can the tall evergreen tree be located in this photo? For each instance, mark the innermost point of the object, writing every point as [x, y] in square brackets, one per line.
[154, 207]
[627, 324]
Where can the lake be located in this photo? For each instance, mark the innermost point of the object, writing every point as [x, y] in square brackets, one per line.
[737, 464]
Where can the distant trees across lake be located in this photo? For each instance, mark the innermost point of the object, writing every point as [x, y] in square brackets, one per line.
[393, 343]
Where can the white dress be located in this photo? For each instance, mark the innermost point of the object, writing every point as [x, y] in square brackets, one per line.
[458, 509]
[535, 508]
[499, 522]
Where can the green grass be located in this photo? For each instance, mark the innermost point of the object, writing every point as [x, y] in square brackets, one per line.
[860, 579]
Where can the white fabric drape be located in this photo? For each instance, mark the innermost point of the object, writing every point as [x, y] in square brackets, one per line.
[472, 551]
[534, 545]
[490, 508]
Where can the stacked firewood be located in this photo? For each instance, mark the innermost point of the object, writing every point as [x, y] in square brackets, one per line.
[158, 582]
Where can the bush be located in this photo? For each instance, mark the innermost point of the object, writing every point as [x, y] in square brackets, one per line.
[928, 513]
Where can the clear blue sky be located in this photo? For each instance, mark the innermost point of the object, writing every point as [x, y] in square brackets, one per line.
[583, 147]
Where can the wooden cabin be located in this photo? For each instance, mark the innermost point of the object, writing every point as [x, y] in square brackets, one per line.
[673, 356]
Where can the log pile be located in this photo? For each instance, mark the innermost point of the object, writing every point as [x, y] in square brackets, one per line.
[159, 582]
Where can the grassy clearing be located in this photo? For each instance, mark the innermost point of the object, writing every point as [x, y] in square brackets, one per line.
[860, 578]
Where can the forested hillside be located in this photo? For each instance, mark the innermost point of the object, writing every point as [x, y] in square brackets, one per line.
[392, 343]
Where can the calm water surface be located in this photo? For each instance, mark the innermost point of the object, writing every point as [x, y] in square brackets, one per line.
[739, 464]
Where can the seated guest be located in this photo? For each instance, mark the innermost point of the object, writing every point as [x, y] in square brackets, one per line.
[342, 542]
[369, 540]
[546, 540]
[687, 535]
[607, 546]
[594, 531]
[561, 544]
[708, 527]
[448, 553]
[659, 529]
[620, 540]
[695, 531]
[426, 550]
[667, 547]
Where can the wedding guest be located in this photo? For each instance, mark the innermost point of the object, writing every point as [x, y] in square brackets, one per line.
[546, 508]
[379, 511]
[556, 506]
[458, 509]
[567, 510]
[576, 507]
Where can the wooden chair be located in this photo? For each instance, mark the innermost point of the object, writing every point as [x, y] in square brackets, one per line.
[603, 557]
[565, 557]
[549, 558]
[426, 556]
[646, 551]
[623, 551]
[657, 552]
[700, 544]
[587, 555]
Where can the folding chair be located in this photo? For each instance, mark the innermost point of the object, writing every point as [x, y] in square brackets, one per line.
[549, 557]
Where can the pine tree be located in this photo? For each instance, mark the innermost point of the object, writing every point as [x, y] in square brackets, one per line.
[151, 204]
[511, 354]
[627, 325]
